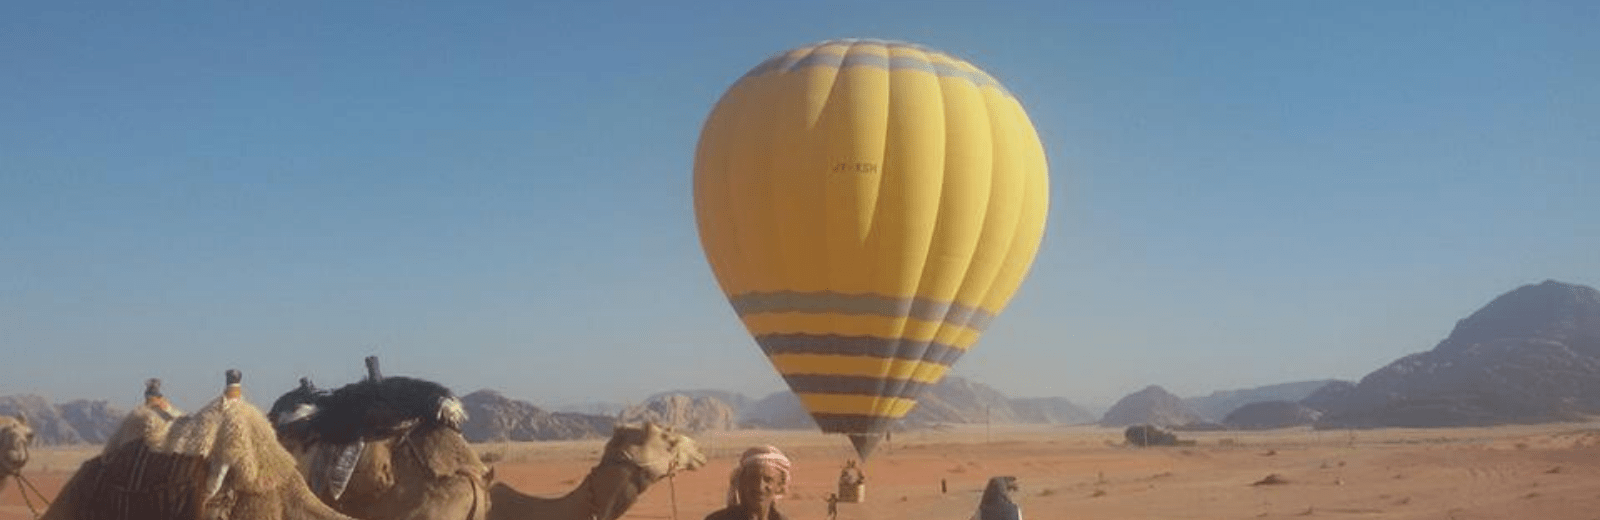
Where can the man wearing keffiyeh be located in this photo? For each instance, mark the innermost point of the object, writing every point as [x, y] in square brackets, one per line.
[759, 479]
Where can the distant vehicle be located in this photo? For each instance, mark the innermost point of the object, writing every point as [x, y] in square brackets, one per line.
[1149, 435]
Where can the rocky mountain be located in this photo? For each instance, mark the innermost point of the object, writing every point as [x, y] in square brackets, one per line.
[684, 412]
[961, 401]
[1530, 355]
[778, 411]
[1219, 404]
[1330, 398]
[954, 400]
[733, 399]
[1153, 405]
[1050, 410]
[1267, 415]
[94, 421]
[492, 417]
[606, 408]
[76, 422]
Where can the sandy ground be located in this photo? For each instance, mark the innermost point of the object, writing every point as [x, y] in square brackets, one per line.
[1545, 472]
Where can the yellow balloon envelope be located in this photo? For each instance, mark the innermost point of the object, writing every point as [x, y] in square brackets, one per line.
[868, 207]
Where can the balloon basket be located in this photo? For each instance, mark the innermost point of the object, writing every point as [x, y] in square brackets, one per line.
[853, 494]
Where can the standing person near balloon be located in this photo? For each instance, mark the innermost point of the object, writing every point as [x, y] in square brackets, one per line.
[758, 481]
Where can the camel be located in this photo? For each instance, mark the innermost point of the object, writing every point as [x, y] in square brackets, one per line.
[15, 436]
[634, 458]
[221, 463]
[384, 448]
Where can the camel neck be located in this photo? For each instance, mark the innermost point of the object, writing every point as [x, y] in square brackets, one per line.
[608, 491]
[613, 487]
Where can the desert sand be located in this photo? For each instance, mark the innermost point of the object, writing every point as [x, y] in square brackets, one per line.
[1510, 472]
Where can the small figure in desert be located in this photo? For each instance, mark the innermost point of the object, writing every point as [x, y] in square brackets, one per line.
[635, 458]
[758, 481]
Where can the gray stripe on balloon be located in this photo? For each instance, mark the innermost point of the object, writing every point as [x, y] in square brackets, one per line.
[863, 346]
[855, 385]
[851, 423]
[869, 304]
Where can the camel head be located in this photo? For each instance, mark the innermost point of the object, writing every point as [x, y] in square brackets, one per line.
[15, 436]
[660, 451]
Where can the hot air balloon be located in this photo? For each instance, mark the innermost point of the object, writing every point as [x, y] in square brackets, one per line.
[868, 207]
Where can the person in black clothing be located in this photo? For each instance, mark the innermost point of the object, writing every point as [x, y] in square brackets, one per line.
[997, 503]
[760, 479]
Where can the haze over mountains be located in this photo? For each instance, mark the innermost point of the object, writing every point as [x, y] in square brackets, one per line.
[1530, 355]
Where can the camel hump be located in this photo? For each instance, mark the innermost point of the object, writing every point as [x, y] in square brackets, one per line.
[371, 409]
[288, 407]
[134, 481]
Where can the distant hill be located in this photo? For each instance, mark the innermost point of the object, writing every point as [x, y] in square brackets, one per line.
[685, 412]
[591, 408]
[955, 400]
[492, 417]
[75, 422]
[733, 399]
[961, 401]
[1154, 406]
[94, 421]
[1267, 415]
[779, 410]
[1219, 404]
[1050, 410]
[1331, 398]
[1529, 355]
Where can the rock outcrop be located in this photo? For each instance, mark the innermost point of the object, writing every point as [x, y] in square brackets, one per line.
[94, 421]
[1530, 355]
[492, 417]
[1154, 406]
[76, 422]
[684, 412]
[961, 401]
[733, 399]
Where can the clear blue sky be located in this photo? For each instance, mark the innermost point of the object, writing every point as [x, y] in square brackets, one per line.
[498, 194]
